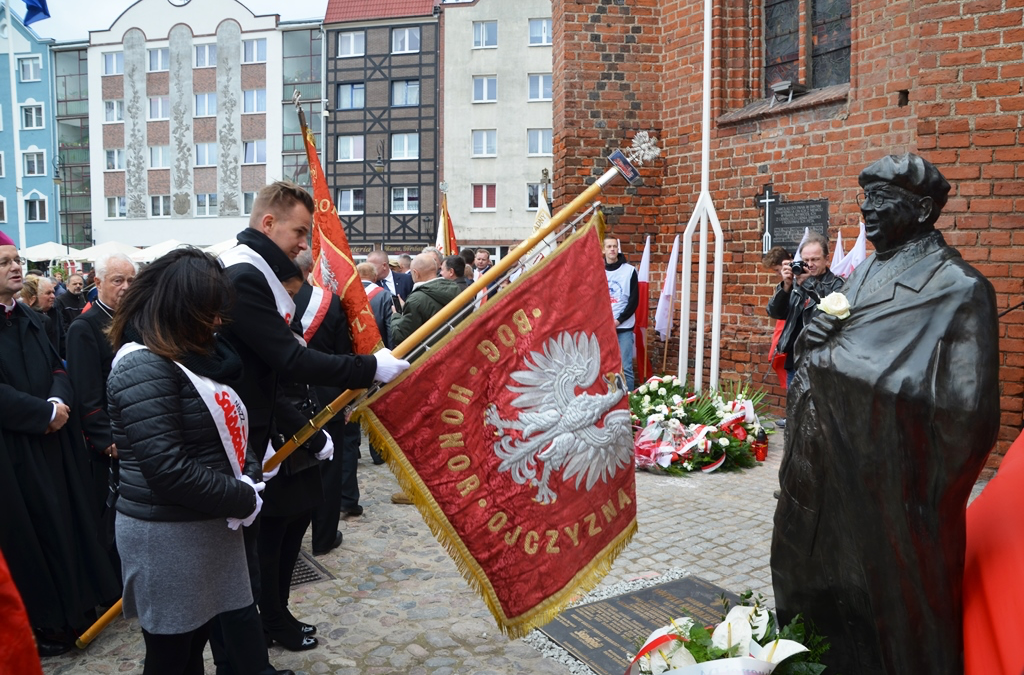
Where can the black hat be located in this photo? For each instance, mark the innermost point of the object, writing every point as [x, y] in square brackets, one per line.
[912, 173]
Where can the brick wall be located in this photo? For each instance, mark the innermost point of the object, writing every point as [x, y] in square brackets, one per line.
[938, 77]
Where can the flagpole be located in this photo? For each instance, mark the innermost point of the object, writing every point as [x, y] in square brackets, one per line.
[19, 187]
[638, 154]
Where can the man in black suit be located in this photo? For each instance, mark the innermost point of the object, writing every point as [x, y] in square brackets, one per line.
[89, 356]
[330, 334]
[71, 303]
[399, 283]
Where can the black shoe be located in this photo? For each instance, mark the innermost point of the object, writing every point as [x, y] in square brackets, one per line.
[304, 628]
[352, 511]
[336, 544]
[375, 456]
[292, 640]
[51, 648]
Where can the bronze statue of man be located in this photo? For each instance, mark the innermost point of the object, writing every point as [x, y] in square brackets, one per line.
[892, 413]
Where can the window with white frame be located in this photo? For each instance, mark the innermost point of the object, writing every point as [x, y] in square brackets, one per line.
[485, 34]
[254, 101]
[159, 107]
[160, 206]
[113, 111]
[483, 197]
[351, 96]
[540, 31]
[34, 163]
[113, 63]
[405, 200]
[206, 56]
[206, 205]
[254, 152]
[351, 149]
[115, 159]
[206, 154]
[350, 201]
[405, 40]
[159, 157]
[32, 117]
[248, 199]
[30, 68]
[485, 89]
[254, 51]
[351, 44]
[405, 93]
[540, 87]
[3, 209]
[532, 194]
[117, 207]
[405, 146]
[485, 143]
[539, 141]
[206, 104]
[159, 60]
[3, 165]
[35, 209]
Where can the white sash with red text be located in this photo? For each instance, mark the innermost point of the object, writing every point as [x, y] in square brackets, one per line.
[316, 310]
[284, 303]
[225, 406]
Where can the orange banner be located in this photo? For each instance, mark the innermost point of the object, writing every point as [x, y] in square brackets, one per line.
[333, 267]
[521, 458]
[446, 243]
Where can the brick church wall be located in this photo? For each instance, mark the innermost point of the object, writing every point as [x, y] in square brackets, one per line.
[944, 78]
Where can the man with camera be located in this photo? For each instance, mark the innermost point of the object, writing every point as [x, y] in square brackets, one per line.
[804, 283]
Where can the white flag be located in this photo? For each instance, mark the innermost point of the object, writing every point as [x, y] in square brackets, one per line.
[837, 253]
[666, 303]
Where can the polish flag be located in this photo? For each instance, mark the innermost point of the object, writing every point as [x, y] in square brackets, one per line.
[667, 301]
[642, 316]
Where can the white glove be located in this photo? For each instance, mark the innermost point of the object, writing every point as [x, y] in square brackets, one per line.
[235, 523]
[267, 475]
[388, 367]
[328, 452]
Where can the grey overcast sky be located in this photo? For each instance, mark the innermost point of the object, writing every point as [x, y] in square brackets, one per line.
[73, 19]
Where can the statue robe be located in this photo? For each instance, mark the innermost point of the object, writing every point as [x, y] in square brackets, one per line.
[48, 531]
[891, 415]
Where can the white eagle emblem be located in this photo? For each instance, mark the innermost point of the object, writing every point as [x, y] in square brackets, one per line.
[558, 426]
[327, 275]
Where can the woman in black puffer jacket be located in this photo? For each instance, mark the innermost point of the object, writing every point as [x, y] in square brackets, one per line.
[181, 435]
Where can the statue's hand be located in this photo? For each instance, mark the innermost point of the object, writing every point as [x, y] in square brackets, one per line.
[821, 329]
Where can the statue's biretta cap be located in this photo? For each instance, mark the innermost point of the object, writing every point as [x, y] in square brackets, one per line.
[6, 241]
[912, 173]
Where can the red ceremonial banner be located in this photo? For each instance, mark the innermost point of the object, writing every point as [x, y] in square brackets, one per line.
[333, 267]
[513, 439]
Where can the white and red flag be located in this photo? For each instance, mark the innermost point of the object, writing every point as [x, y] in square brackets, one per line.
[642, 316]
[856, 256]
[446, 243]
[837, 252]
[667, 300]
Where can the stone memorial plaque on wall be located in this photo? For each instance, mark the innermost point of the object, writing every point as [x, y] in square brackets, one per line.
[788, 220]
[605, 634]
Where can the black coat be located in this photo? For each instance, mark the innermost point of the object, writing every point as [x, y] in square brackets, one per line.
[403, 284]
[798, 307]
[89, 358]
[70, 307]
[48, 531]
[173, 464]
[268, 347]
[892, 413]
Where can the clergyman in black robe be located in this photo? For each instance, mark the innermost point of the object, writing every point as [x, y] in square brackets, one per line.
[892, 413]
[47, 533]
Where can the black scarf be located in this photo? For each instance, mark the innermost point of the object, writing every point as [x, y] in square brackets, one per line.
[223, 365]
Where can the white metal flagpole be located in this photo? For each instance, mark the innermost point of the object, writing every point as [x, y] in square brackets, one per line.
[703, 213]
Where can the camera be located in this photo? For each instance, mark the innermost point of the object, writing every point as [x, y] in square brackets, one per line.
[798, 267]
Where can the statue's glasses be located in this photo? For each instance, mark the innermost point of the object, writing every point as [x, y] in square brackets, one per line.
[876, 198]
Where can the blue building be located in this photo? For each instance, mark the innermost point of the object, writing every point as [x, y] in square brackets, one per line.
[27, 136]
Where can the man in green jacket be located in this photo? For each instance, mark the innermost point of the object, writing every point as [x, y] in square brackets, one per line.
[429, 294]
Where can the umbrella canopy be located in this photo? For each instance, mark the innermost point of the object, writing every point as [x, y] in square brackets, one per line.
[151, 253]
[94, 253]
[217, 249]
[51, 250]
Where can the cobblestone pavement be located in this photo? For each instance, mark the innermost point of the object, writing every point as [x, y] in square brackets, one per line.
[398, 604]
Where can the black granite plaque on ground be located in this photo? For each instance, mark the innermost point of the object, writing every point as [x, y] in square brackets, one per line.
[788, 220]
[605, 634]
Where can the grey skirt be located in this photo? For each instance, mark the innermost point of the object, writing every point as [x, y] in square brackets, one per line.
[178, 576]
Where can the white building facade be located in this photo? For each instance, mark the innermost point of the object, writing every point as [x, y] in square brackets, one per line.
[497, 117]
[186, 120]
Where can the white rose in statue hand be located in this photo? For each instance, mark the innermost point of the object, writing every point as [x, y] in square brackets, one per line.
[836, 305]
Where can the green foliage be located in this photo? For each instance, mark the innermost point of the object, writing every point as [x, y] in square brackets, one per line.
[702, 649]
